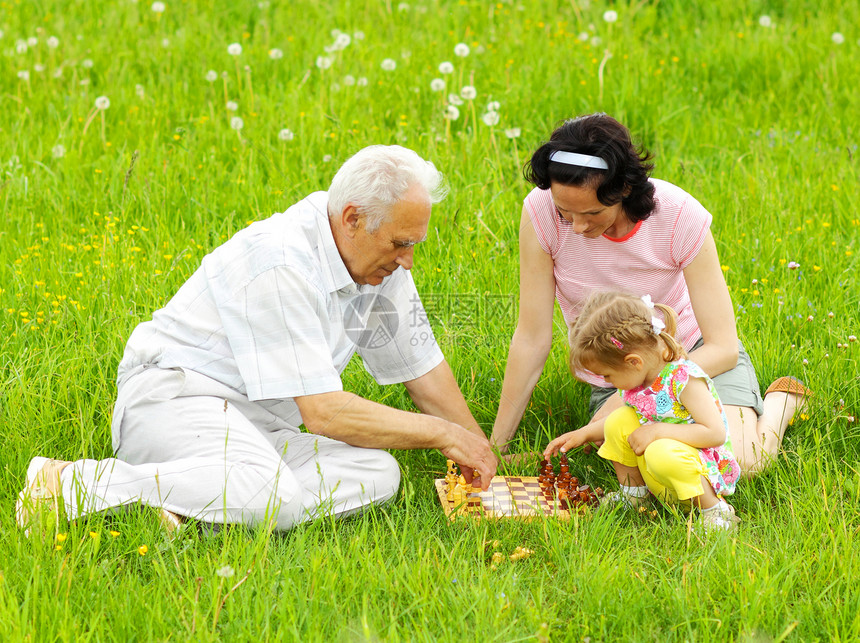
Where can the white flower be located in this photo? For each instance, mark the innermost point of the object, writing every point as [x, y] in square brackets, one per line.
[583, 36]
[437, 85]
[446, 68]
[349, 80]
[24, 75]
[765, 21]
[38, 68]
[388, 64]
[53, 42]
[234, 49]
[454, 99]
[493, 106]
[58, 151]
[461, 50]
[232, 105]
[513, 132]
[468, 92]
[610, 16]
[225, 572]
[326, 158]
[358, 35]
[21, 46]
[138, 89]
[86, 63]
[276, 54]
[342, 41]
[102, 102]
[362, 81]
[158, 7]
[323, 62]
[211, 75]
[837, 38]
[32, 41]
[237, 123]
[286, 135]
[490, 118]
[452, 113]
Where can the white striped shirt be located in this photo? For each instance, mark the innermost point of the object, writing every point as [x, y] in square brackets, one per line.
[266, 314]
[649, 260]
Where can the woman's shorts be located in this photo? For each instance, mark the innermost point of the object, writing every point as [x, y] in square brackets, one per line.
[737, 387]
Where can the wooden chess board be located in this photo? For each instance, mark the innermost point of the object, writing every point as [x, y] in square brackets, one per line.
[507, 497]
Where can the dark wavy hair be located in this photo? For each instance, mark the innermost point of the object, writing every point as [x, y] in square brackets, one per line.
[626, 179]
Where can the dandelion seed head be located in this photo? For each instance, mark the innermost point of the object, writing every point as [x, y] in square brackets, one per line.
[349, 80]
[468, 92]
[765, 21]
[58, 151]
[165, 42]
[32, 41]
[437, 85]
[461, 50]
[342, 41]
[286, 135]
[237, 123]
[454, 99]
[53, 42]
[583, 36]
[211, 76]
[323, 62]
[596, 41]
[102, 102]
[225, 572]
[234, 49]
[490, 118]
[403, 6]
[139, 91]
[275, 53]
[87, 63]
[362, 81]
[513, 132]
[232, 105]
[24, 75]
[446, 67]
[358, 35]
[158, 7]
[610, 16]
[493, 106]
[837, 38]
[326, 158]
[452, 113]
[388, 64]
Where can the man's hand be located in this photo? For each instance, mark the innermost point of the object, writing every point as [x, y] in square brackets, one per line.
[473, 454]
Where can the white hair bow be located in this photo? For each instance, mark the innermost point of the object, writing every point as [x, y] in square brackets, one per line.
[657, 325]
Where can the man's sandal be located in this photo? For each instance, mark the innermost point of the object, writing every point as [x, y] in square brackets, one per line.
[38, 503]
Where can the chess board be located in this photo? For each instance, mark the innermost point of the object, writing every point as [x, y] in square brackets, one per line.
[507, 497]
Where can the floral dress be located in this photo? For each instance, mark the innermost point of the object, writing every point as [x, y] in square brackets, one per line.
[661, 402]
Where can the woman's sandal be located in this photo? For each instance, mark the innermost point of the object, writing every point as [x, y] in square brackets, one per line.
[791, 385]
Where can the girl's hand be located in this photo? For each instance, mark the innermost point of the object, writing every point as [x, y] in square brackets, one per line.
[568, 441]
[643, 436]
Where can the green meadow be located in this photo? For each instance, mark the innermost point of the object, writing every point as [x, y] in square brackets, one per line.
[135, 137]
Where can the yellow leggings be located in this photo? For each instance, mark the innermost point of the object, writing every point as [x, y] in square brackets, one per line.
[672, 470]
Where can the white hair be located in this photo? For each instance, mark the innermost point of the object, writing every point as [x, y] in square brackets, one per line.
[377, 177]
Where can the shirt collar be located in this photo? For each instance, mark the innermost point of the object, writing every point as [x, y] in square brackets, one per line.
[335, 271]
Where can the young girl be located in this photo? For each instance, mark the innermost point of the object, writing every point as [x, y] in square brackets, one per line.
[671, 438]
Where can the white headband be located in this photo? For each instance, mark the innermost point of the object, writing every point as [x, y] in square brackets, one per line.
[657, 325]
[581, 160]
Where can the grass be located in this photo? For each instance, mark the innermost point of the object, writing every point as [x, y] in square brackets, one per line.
[105, 213]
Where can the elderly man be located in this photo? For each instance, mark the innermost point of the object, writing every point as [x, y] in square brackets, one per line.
[212, 390]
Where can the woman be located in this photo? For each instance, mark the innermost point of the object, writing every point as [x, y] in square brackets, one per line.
[596, 221]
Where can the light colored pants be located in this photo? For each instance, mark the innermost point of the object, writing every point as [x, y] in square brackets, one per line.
[188, 444]
[672, 470]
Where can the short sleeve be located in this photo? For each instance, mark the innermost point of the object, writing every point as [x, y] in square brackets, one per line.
[277, 328]
[691, 229]
[544, 218]
[401, 346]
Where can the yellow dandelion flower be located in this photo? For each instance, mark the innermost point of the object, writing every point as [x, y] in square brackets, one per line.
[61, 537]
[114, 533]
[142, 550]
[94, 534]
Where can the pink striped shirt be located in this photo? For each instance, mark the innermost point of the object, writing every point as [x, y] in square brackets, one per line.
[648, 260]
